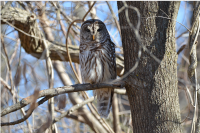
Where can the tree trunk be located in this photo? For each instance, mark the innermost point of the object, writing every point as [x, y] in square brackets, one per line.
[152, 88]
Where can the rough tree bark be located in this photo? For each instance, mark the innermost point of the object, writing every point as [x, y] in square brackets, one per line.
[152, 88]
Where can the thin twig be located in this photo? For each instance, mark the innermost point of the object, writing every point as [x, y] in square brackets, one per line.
[181, 49]
[192, 73]
[190, 97]
[170, 19]
[114, 17]
[51, 82]
[4, 8]
[9, 69]
[72, 109]
[72, 116]
[181, 34]
[34, 105]
[10, 88]
[49, 66]
[6, 85]
[136, 32]
[57, 6]
[15, 51]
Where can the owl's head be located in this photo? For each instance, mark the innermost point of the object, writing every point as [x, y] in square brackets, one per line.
[94, 30]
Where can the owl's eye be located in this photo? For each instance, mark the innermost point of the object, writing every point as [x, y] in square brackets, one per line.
[87, 30]
[99, 30]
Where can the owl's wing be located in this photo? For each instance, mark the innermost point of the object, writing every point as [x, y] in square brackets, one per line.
[113, 60]
[113, 76]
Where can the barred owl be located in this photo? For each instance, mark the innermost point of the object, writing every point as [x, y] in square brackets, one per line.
[97, 61]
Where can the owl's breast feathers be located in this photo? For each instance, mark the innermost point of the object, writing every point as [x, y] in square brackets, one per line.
[90, 47]
[97, 62]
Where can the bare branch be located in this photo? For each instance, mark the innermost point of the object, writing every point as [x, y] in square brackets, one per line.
[68, 19]
[181, 49]
[114, 17]
[51, 82]
[9, 69]
[182, 34]
[31, 109]
[73, 116]
[6, 85]
[120, 91]
[115, 110]
[72, 109]
[56, 91]
[4, 8]
[136, 32]
[93, 10]
[26, 28]
[45, 125]
[192, 73]
[34, 105]
[47, 30]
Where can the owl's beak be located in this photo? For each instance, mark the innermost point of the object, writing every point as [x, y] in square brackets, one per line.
[93, 37]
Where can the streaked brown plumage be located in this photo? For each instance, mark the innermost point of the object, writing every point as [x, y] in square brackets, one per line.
[97, 60]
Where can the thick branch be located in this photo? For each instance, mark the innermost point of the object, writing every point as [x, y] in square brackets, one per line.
[58, 91]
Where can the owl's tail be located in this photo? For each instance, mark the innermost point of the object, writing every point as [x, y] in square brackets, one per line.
[104, 101]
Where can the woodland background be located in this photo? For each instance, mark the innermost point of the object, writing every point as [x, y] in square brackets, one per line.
[26, 68]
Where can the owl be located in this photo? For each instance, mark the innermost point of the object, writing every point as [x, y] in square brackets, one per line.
[97, 61]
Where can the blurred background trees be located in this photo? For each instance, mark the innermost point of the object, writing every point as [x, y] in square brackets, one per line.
[24, 64]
